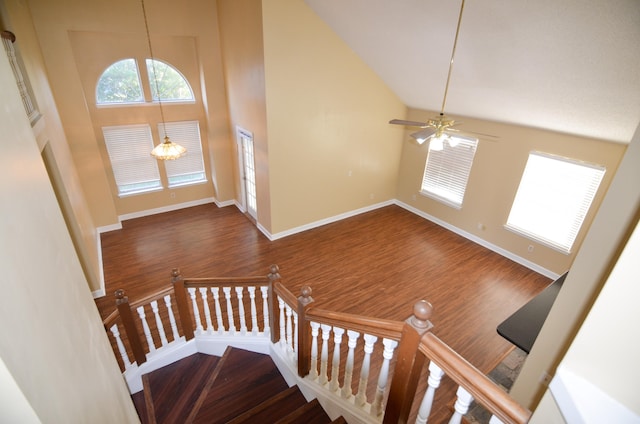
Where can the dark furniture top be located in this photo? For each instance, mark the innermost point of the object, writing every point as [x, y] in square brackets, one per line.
[523, 326]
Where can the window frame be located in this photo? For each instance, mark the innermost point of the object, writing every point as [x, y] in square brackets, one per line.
[557, 202]
[440, 189]
[137, 164]
[139, 102]
[179, 131]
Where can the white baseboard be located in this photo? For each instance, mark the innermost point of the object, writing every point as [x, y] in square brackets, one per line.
[169, 208]
[518, 259]
[107, 228]
[328, 220]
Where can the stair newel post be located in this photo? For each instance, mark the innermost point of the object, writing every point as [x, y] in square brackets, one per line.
[304, 332]
[409, 364]
[273, 277]
[124, 310]
[182, 303]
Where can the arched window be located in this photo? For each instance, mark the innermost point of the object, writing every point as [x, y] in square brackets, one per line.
[170, 82]
[120, 83]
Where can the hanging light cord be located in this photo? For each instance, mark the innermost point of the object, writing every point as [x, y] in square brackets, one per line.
[453, 53]
[153, 66]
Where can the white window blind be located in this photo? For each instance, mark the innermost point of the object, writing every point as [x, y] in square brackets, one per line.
[189, 169]
[134, 169]
[447, 170]
[553, 198]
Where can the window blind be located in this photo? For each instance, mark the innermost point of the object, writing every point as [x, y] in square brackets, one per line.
[553, 198]
[446, 171]
[134, 169]
[188, 169]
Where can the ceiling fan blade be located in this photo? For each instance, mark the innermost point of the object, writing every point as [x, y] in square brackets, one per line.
[422, 135]
[408, 123]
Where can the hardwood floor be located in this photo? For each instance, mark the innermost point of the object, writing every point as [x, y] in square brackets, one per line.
[375, 264]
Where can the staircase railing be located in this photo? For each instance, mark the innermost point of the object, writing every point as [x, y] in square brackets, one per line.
[374, 376]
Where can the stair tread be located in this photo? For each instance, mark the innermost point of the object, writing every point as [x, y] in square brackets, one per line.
[141, 407]
[245, 380]
[175, 388]
[274, 408]
[309, 413]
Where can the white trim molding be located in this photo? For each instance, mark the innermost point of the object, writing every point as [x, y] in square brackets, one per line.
[328, 220]
[518, 259]
[163, 209]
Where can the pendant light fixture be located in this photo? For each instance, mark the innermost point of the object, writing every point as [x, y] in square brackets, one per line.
[167, 150]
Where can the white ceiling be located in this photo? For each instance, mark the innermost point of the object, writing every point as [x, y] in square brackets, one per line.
[571, 66]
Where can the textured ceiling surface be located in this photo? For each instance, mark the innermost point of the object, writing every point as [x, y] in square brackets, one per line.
[571, 66]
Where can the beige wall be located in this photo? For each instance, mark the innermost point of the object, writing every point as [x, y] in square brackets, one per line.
[52, 141]
[53, 343]
[599, 252]
[243, 62]
[67, 32]
[331, 150]
[494, 179]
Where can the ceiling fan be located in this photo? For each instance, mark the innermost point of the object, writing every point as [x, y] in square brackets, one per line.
[438, 127]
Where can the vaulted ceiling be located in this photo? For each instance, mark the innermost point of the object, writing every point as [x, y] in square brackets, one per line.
[570, 66]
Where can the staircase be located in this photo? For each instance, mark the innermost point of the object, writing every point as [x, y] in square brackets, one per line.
[239, 387]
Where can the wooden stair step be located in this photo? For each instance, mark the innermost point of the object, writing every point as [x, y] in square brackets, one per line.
[309, 413]
[339, 420]
[242, 381]
[274, 408]
[172, 391]
[141, 406]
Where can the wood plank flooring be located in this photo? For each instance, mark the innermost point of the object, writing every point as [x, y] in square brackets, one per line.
[375, 264]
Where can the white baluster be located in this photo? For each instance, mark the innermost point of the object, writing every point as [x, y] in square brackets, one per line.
[205, 308]
[123, 352]
[145, 328]
[353, 336]
[283, 333]
[172, 318]
[289, 329]
[264, 290]
[335, 363]
[243, 319]
[232, 324]
[159, 325]
[196, 311]
[361, 397]
[324, 353]
[254, 313]
[216, 297]
[495, 420]
[461, 406]
[383, 378]
[433, 382]
[313, 371]
[295, 335]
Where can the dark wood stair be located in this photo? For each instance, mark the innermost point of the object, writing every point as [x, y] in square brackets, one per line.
[239, 387]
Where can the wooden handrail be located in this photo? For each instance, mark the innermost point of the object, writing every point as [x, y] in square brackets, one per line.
[483, 390]
[148, 299]
[111, 319]
[374, 326]
[288, 297]
[233, 282]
